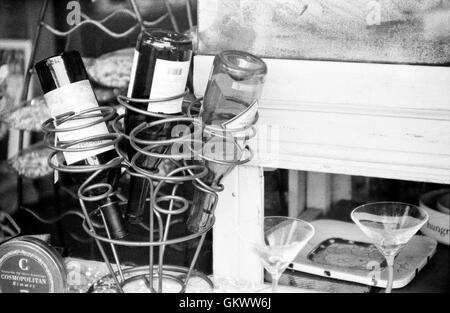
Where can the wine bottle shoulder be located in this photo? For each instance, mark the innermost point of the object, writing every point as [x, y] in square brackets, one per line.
[60, 70]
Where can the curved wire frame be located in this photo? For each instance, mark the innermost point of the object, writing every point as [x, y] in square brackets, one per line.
[165, 208]
[86, 20]
[89, 192]
[134, 14]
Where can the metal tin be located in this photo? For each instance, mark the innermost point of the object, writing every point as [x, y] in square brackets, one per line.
[30, 265]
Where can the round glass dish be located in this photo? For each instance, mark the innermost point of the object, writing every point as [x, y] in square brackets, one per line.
[111, 70]
[28, 115]
[32, 161]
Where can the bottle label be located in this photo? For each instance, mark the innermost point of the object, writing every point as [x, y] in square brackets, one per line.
[169, 79]
[244, 118]
[77, 97]
[245, 87]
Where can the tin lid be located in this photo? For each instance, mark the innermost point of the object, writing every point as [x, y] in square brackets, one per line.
[30, 265]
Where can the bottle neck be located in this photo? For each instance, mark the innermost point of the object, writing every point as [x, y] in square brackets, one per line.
[61, 70]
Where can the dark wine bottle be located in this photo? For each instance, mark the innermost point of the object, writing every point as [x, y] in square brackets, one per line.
[160, 70]
[66, 88]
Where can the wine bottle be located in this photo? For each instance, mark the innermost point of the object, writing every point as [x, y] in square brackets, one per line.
[66, 87]
[230, 103]
[160, 70]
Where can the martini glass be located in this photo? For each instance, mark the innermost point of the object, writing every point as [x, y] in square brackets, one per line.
[284, 237]
[390, 225]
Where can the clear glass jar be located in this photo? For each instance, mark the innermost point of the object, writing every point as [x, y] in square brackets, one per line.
[230, 103]
[234, 89]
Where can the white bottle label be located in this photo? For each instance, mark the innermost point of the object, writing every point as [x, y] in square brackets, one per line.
[243, 87]
[169, 79]
[244, 118]
[76, 97]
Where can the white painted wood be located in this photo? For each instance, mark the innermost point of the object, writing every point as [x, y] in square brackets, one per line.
[318, 192]
[360, 84]
[375, 120]
[239, 222]
[297, 192]
[378, 120]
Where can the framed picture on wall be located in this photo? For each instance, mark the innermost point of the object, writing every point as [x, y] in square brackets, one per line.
[14, 56]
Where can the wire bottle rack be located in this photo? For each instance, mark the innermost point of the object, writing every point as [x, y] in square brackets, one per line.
[134, 13]
[164, 208]
[188, 167]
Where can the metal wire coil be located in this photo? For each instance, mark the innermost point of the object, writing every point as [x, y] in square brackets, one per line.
[164, 215]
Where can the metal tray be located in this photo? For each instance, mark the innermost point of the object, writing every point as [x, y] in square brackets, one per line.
[361, 263]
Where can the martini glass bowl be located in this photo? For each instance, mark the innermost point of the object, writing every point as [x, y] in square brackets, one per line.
[284, 238]
[389, 225]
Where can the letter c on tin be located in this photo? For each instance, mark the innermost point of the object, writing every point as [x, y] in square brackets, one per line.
[23, 264]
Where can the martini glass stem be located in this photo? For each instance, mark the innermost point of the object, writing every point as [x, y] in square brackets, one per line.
[390, 266]
[275, 279]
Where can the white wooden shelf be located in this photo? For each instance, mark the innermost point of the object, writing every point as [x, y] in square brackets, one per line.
[375, 120]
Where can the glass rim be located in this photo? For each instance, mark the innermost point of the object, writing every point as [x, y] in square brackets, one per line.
[292, 219]
[421, 210]
[261, 68]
